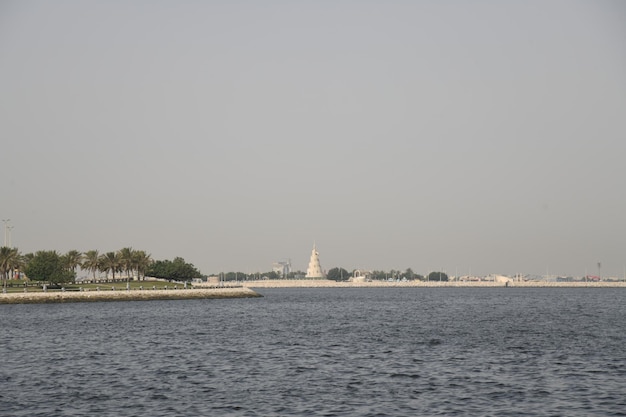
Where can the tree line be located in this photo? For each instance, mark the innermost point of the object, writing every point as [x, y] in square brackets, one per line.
[54, 267]
[340, 274]
[242, 276]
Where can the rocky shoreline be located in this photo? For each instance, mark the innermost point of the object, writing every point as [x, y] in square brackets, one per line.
[123, 295]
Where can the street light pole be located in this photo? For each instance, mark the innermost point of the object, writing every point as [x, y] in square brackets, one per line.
[10, 229]
[5, 221]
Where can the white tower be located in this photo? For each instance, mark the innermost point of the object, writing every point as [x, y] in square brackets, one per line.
[315, 269]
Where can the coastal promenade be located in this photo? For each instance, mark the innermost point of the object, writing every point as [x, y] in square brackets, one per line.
[123, 295]
[376, 284]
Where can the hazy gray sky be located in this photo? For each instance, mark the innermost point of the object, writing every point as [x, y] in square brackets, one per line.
[481, 136]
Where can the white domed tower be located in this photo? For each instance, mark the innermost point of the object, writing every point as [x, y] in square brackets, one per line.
[315, 269]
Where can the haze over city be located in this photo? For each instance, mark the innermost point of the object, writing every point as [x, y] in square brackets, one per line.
[472, 137]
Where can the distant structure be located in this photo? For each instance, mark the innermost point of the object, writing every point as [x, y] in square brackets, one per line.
[282, 268]
[315, 269]
[501, 279]
[360, 275]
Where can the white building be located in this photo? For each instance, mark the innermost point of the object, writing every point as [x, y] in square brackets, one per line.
[315, 269]
[360, 275]
[282, 268]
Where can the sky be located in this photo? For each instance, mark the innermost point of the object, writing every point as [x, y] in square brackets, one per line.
[473, 137]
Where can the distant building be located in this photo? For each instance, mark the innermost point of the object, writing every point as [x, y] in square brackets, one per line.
[469, 278]
[282, 268]
[361, 276]
[213, 279]
[564, 279]
[501, 279]
[315, 269]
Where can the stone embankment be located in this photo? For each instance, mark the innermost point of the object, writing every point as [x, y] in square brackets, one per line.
[375, 284]
[124, 295]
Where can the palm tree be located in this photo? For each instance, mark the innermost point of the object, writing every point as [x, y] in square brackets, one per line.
[141, 262]
[9, 259]
[110, 262]
[21, 263]
[25, 259]
[72, 260]
[126, 260]
[91, 261]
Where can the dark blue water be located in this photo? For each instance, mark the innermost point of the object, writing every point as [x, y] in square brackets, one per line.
[322, 352]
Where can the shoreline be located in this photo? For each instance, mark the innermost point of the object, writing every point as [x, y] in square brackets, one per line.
[124, 295]
[246, 290]
[428, 284]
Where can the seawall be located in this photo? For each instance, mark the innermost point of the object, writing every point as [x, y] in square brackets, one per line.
[477, 284]
[123, 295]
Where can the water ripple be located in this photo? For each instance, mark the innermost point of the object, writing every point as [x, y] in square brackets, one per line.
[321, 352]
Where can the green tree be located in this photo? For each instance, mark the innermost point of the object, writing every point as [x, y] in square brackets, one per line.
[141, 262]
[294, 274]
[9, 260]
[437, 276]
[27, 258]
[176, 270]
[338, 274]
[20, 263]
[126, 258]
[49, 266]
[91, 262]
[72, 260]
[409, 274]
[159, 269]
[110, 262]
[379, 275]
[271, 275]
[234, 276]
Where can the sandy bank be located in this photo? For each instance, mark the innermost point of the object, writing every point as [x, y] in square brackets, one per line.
[374, 284]
[122, 295]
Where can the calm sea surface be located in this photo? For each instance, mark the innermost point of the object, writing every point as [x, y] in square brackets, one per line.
[322, 352]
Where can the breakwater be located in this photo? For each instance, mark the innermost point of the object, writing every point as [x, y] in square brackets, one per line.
[377, 284]
[123, 295]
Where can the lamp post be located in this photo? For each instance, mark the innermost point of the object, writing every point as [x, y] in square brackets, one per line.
[5, 221]
[10, 228]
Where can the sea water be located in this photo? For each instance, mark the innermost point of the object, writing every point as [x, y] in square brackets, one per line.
[322, 352]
